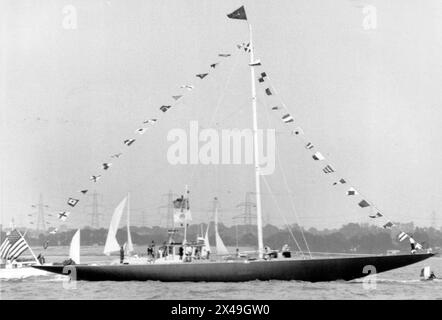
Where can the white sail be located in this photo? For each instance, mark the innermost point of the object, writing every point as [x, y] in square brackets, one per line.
[206, 240]
[111, 241]
[129, 245]
[74, 250]
[220, 247]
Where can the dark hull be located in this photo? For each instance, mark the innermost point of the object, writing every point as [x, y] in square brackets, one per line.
[314, 270]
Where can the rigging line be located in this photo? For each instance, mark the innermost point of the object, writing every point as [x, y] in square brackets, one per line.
[282, 215]
[289, 191]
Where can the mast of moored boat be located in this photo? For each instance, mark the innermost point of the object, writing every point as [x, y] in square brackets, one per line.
[255, 150]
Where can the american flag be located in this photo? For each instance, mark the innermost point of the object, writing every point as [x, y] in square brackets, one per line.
[13, 246]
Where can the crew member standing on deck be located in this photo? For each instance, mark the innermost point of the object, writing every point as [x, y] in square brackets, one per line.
[121, 254]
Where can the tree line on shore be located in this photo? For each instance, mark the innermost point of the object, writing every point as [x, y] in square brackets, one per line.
[350, 238]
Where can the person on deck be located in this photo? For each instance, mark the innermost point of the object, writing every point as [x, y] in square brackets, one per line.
[121, 254]
[181, 252]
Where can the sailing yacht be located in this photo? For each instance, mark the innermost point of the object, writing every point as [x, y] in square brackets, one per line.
[177, 267]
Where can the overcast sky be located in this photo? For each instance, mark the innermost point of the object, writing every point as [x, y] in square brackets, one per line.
[370, 100]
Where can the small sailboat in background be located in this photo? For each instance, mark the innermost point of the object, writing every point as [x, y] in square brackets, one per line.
[112, 245]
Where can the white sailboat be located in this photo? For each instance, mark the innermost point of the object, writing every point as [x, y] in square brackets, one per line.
[74, 249]
[220, 247]
[284, 268]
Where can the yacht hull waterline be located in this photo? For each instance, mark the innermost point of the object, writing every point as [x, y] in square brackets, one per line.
[312, 270]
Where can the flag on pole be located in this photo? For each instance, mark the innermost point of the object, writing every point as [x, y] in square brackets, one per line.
[213, 65]
[176, 98]
[239, 14]
[268, 92]
[255, 63]
[84, 191]
[287, 118]
[224, 55]
[13, 246]
[351, 192]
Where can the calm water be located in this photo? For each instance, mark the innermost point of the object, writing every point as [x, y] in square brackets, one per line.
[403, 283]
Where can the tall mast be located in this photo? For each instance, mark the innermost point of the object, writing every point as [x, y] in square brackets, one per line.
[255, 150]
